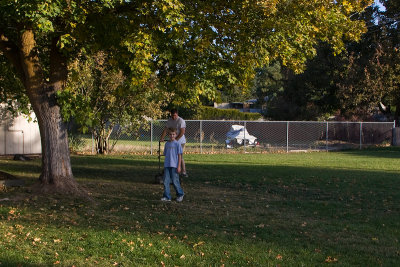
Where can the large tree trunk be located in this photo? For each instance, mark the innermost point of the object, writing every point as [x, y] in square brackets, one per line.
[56, 167]
[101, 144]
[56, 173]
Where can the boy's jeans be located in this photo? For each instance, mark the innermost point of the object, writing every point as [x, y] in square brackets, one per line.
[171, 174]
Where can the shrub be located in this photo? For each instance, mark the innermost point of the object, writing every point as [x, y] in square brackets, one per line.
[75, 142]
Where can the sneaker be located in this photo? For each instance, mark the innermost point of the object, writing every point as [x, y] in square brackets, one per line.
[179, 199]
[165, 199]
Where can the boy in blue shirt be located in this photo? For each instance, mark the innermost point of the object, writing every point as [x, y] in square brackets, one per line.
[172, 167]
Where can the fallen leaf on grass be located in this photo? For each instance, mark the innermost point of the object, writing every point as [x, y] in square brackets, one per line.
[198, 244]
[18, 226]
[279, 257]
[330, 259]
[182, 257]
[164, 253]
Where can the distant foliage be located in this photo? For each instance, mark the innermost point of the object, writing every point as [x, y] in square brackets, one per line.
[210, 113]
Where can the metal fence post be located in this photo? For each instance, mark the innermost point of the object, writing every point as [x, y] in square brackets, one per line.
[151, 137]
[201, 136]
[244, 140]
[5, 138]
[287, 137]
[327, 138]
[360, 134]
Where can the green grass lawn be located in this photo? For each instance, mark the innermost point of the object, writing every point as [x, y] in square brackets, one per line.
[300, 209]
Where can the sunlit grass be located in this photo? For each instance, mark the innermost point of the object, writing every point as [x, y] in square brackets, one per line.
[299, 209]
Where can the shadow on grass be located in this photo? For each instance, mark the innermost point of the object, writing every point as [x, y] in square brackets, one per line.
[116, 169]
[12, 166]
[90, 167]
[143, 169]
[6, 261]
[381, 152]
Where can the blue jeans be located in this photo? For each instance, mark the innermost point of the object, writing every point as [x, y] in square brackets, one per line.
[171, 174]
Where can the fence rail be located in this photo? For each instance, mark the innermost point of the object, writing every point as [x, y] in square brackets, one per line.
[209, 136]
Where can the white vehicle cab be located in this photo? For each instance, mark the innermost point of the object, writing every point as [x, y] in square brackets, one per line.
[238, 136]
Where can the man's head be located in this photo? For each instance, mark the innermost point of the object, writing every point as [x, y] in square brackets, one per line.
[174, 114]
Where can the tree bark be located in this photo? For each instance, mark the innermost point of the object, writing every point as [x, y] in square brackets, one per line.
[102, 142]
[56, 173]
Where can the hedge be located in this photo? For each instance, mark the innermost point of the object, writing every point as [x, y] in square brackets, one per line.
[210, 113]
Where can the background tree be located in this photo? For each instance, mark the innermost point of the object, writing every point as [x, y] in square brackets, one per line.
[193, 47]
[372, 74]
[389, 25]
[363, 86]
[311, 95]
[350, 85]
[268, 84]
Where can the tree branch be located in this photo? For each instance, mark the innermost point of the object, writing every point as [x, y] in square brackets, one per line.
[12, 53]
[58, 65]
[33, 72]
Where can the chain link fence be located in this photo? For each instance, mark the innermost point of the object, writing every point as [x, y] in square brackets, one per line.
[209, 136]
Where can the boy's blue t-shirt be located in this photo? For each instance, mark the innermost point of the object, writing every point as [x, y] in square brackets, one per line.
[171, 151]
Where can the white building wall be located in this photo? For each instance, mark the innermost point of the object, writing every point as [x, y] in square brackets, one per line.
[19, 136]
[2, 138]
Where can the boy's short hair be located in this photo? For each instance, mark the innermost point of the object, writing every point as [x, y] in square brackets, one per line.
[172, 130]
[173, 111]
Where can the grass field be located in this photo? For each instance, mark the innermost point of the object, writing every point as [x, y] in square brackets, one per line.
[301, 209]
